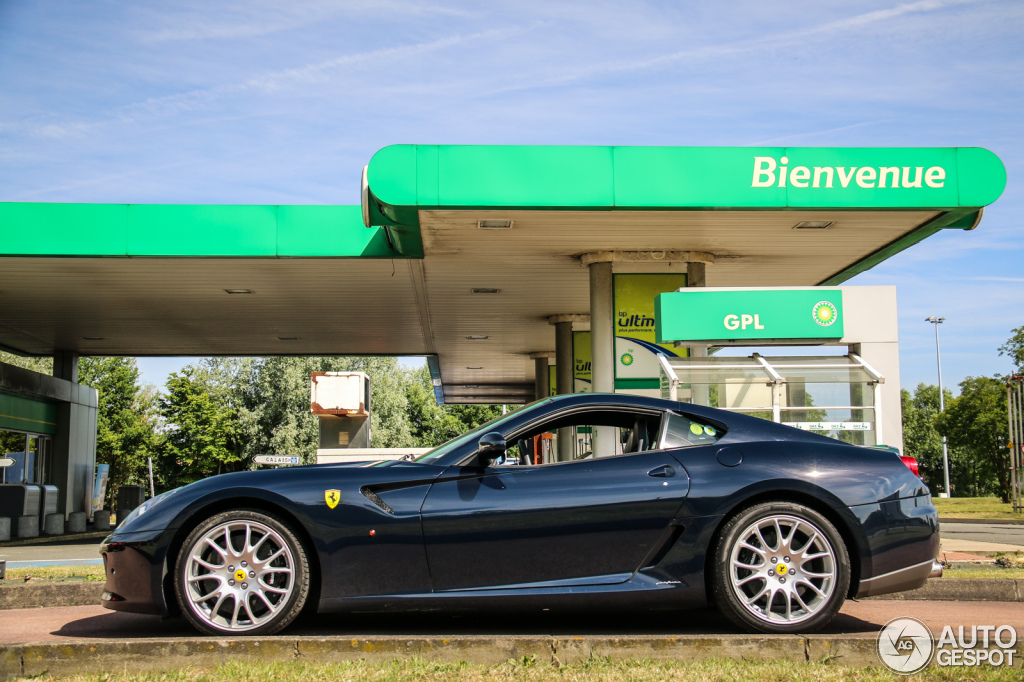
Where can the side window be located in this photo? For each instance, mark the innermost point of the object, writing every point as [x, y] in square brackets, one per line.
[683, 432]
[539, 445]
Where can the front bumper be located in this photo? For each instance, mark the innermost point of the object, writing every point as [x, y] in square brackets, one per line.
[134, 566]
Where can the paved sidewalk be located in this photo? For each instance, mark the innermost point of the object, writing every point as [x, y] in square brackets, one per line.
[973, 547]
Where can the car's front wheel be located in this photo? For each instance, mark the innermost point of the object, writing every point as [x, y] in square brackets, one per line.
[242, 572]
[780, 567]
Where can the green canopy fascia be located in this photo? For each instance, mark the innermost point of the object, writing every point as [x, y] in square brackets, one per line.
[956, 182]
[198, 231]
[403, 179]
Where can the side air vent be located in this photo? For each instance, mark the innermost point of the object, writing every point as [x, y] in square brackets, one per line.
[372, 497]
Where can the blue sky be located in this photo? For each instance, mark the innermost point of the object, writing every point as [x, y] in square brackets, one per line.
[284, 102]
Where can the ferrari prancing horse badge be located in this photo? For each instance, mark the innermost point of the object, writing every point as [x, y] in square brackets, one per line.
[332, 497]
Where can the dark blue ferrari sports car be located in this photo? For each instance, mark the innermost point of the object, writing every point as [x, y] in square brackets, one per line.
[697, 506]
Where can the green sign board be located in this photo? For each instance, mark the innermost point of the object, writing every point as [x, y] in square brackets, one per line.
[26, 414]
[732, 315]
[636, 353]
[582, 374]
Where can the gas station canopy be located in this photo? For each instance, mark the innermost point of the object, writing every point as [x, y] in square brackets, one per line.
[464, 252]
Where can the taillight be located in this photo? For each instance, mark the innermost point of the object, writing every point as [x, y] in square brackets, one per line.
[911, 464]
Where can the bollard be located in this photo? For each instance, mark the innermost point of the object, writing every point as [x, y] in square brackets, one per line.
[3, 567]
[53, 524]
[28, 526]
[5, 529]
[101, 520]
[76, 522]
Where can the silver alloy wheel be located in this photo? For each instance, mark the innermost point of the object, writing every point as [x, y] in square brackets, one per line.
[783, 569]
[239, 575]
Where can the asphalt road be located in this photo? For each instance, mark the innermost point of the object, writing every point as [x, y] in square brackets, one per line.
[70, 551]
[858, 618]
[984, 532]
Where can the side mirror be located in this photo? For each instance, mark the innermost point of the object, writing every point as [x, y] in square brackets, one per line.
[490, 447]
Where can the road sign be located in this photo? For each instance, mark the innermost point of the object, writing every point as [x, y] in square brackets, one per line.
[276, 459]
[6, 462]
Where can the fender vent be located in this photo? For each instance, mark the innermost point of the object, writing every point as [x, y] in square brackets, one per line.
[372, 497]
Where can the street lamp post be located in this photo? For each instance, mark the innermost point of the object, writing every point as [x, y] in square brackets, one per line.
[942, 404]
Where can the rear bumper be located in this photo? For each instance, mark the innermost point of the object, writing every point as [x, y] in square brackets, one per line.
[902, 542]
[909, 578]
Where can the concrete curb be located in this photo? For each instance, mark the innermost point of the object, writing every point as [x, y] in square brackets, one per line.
[1002, 522]
[22, 660]
[34, 594]
[44, 594]
[138, 655]
[964, 589]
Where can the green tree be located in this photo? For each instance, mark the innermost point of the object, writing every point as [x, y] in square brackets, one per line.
[43, 365]
[920, 438]
[389, 404]
[268, 399]
[272, 396]
[199, 436]
[126, 430]
[1014, 347]
[976, 423]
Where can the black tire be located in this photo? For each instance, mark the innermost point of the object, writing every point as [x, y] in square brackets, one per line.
[798, 575]
[258, 586]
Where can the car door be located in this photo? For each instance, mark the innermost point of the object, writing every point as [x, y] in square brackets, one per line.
[588, 521]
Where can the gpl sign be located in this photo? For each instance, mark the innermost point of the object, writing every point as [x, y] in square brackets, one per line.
[279, 460]
[750, 314]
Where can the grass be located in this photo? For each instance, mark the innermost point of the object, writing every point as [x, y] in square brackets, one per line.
[56, 573]
[528, 669]
[986, 573]
[974, 508]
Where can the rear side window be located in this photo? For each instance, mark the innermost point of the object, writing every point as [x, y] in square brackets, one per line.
[683, 432]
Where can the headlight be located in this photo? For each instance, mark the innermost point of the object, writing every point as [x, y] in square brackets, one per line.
[146, 506]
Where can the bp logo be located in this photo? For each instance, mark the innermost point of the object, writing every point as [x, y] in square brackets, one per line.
[627, 359]
[824, 313]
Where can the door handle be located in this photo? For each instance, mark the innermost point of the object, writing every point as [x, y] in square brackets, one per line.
[664, 471]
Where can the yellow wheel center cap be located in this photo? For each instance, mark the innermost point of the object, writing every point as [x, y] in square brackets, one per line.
[239, 575]
[782, 570]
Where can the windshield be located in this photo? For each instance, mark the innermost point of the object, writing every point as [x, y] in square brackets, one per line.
[457, 442]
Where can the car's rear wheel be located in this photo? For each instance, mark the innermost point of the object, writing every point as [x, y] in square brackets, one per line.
[242, 573]
[780, 567]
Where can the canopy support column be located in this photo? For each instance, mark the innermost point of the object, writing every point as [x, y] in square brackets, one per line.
[696, 276]
[541, 374]
[564, 374]
[602, 348]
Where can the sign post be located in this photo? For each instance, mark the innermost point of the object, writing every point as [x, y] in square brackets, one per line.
[4, 463]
